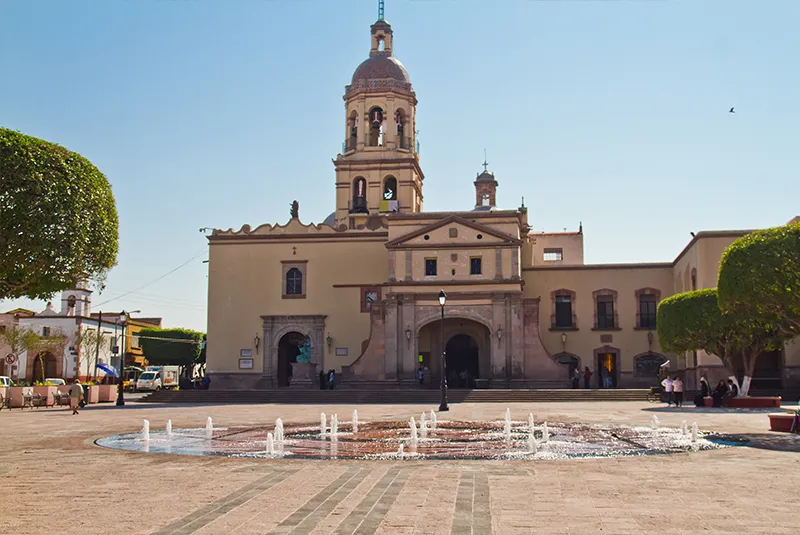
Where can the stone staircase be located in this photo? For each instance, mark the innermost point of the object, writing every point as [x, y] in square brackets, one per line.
[390, 396]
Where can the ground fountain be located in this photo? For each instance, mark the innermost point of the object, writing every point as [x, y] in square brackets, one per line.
[169, 429]
[323, 425]
[433, 420]
[146, 431]
[684, 429]
[355, 421]
[405, 439]
[209, 428]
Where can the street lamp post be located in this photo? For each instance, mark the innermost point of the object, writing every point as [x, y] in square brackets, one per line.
[123, 317]
[443, 385]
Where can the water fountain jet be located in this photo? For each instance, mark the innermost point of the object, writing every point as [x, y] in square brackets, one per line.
[654, 423]
[532, 446]
[323, 425]
[530, 422]
[270, 445]
[413, 425]
[507, 426]
[684, 428]
[355, 421]
[279, 431]
[146, 431]
[423, 427]
[169, 428]
[545, 433]
[694, 432]
[209, 428]
[433, 420]
[334, 425]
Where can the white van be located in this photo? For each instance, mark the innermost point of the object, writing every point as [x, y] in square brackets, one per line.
[158, 377]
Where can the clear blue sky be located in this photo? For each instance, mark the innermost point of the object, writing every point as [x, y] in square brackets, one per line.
[219, 113]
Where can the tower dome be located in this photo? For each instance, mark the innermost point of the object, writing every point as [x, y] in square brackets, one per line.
[381, 68]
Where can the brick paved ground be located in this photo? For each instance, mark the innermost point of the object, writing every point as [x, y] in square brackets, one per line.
[56, 481]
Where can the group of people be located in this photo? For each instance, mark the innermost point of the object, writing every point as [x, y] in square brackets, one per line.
[673, 388]
[720, 395]
[586, 374]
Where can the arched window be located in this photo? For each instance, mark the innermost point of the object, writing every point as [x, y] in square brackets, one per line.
[375, 127]
[648, 364]
[294, 282]
[390, 189]
[352, 126]
[359, 196]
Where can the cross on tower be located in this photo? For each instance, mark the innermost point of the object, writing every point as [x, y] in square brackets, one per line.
[380, 9]
[485, 163]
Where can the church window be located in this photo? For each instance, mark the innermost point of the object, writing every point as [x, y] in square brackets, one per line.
[376, 127]
[475, 265]
[390, 189]
[454, 233]
[430, 267]
[45, 331]
[369, 296]
[352, 124]
[294, 279]
[427, 237]
[294, 282]
[359, 196]
[479, 236]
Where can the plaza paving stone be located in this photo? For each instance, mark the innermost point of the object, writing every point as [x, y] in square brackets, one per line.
[55, 480]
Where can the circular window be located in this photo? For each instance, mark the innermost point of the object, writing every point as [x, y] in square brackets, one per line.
[480, 236]
[427, 237]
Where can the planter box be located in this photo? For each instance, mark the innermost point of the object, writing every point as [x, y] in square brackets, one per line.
[781, 422]
[748, 402]
[107, 393]
[46, 391]
[4, 391]
[15, 393]
[91, 394]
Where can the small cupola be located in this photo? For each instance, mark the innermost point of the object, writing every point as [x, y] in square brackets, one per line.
[485, 189]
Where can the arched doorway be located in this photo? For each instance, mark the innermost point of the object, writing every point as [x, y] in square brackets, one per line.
[468, 347]
[45, 366]
[288, 349]
[461, 361]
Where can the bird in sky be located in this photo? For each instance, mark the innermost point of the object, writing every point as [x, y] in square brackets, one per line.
[731, 110]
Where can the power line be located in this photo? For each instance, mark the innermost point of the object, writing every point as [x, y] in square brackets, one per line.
[154, 280]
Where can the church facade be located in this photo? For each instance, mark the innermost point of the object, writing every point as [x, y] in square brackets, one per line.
[521, 310]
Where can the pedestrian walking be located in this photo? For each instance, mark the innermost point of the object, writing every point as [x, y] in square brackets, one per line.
[75, 392]
[587, 376]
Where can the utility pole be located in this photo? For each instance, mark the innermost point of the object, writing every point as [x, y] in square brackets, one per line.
[97, 348]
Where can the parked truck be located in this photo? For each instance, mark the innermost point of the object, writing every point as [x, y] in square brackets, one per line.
[158, 377]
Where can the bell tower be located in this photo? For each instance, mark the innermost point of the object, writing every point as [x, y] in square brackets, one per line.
[378, 170]
[485, 189]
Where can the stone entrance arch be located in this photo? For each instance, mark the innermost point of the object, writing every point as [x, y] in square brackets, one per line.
[470, 339]
[276, 327]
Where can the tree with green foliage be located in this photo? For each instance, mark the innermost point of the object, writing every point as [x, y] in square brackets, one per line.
[693, 321]
[58, 219]
[181, 347]
[759, 277]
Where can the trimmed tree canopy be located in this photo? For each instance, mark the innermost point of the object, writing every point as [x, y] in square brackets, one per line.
[58, 220]
[759, 276]
[692, 321]
[180, 347]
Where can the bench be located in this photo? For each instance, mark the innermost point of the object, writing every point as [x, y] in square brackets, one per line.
[60, 398]
[5, 402]
[34, 400]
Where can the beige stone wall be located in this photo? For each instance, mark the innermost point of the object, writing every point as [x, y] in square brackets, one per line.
[571, 244]
[625, 280]
[245, 283]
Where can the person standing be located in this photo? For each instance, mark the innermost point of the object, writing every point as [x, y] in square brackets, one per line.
[420, 375]
[668, 389]
[677, 388]
[576, 378]
[587, 376]
[75, 392]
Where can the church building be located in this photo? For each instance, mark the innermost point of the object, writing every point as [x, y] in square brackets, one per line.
[522, 310]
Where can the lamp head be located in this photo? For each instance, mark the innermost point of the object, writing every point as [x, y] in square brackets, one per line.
[408, 334]
[123, 316]
[329, 339]
[442, 298]
[563, 338]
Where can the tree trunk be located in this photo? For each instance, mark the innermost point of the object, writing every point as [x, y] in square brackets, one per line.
[749, 371]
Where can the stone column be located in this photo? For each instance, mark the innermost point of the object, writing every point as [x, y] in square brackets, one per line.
[498, 263]
[499, 352]
[409, 367]
[391, 356]
[516, 337]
